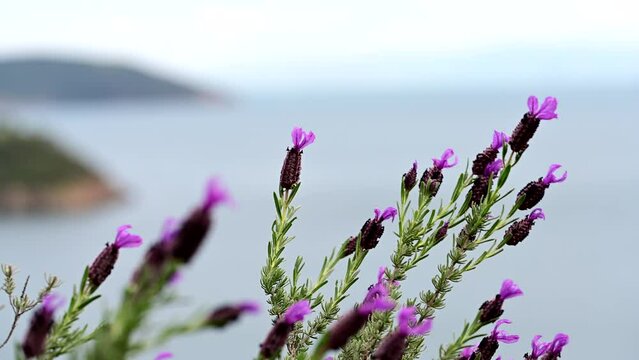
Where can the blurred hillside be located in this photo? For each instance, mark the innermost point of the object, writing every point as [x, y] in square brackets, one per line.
[41, 79]
[38, 175]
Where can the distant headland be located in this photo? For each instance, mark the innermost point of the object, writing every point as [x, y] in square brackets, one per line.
[48, 79]
[38, 175]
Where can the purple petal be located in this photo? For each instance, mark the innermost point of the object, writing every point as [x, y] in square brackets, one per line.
[376, 291]
[538, 347]
[297, 311]
[52, 301]
[442, 162]
[551, 177]
[296, 135]
[558, 343]
[499, 138]
[383, 303]
[389, 212]
[125, 240]
[468, 351]
[176, 278]
[509, 290]
[501, 335]
[309, 138]
[164, 355]
[215, 194]
[533, 104]
[548, 109]
[494, 167]
[408, 322]
[251, 307]
[378, 213]
[380, 275]
[537, 214]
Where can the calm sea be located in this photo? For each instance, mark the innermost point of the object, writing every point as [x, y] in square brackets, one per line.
[578, 269]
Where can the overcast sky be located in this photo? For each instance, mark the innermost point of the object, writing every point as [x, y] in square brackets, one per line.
[275, 43]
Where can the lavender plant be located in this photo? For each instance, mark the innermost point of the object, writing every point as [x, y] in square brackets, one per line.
[479, 218]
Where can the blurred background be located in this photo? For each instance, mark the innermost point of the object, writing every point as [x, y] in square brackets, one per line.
[117, 112]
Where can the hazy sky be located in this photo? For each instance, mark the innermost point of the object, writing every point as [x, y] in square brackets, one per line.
[280, 42]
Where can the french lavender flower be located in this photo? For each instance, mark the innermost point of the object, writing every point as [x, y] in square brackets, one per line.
[371, 231]
[105, 261]
[539, 348]
[292, 166]
[434, 174]
[535, 190]
[192, 231]
[442, 232]
[490, 154]
[556, 346]
[394, 344]
[480, 185]
[410, 178]
[491, 310]
[467, 352]
[488, 346]
[224, 315]
[35, 342]
[530, 122]
[377, 299]
[276, 338]
[520, 229]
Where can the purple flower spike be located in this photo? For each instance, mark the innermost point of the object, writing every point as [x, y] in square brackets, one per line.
[408, 322]
[297, 311]
[224, 315]
[539, 348]
[442, 163]
[551, 178]
[388, 213]
[215, 195]
[125, 240]
[547, 111]
[537, 214]
[494, 167]
[499, 139]
[164, 355]
[34, 343]
[302, 139]
[509, 290]
[410, 178]
[501, 335]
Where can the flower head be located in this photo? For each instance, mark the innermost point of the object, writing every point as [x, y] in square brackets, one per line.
[215, 195]
[377, 298]
[34, 343]
[408, 322]
[388, 213]
[297, 311]
[229, 313]
[509, 290]
[494, 167]
[539, 348]
[547, 109]
[443, 163]
[551, 178]
[501, 335]
[410, 178]
[302, 139]
[499, 139]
